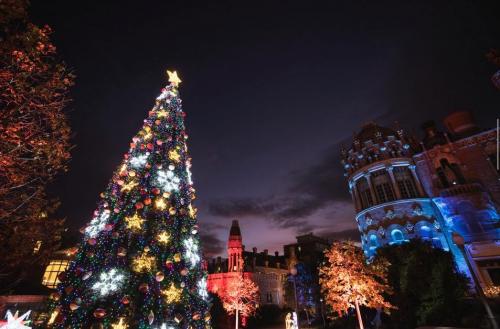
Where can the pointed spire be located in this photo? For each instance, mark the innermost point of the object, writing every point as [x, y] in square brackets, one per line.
[235, 232]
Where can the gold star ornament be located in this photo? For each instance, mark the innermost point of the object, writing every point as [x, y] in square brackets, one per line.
[134, 222]
[163, 237]
[173, 78]
[174, 155]
[172, 294]
[143, 263]
[119, 325]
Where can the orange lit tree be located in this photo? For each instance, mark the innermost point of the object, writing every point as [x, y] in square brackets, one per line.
[241, 298]
[34, 139]
[348, 282]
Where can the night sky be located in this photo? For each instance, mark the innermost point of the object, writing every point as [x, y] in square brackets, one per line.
[271, 89]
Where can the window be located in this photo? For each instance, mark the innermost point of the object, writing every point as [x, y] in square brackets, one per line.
[52, 271]
[269, 297]
[397, 236]
[364, 193]
[383, 186]
[405, 182]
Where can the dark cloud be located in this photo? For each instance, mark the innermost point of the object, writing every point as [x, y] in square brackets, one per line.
[240, 207]
[211, 244]
[309, 191]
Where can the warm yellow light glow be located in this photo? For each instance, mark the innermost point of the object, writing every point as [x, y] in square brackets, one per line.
[143, 263]
[172, 294]
[53, 317]
[174, 155]
[134, 222]
[160, 204]
[55, 267]
[123, 168]
[37, 247]
[119, 325]
[192, 211]
[129, 186]
[162, 114]
[173, 78]
[163, 237]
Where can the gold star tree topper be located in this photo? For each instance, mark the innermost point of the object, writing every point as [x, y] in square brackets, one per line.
[173, 78]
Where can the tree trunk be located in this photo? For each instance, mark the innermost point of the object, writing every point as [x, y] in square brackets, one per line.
[358, 313]
[237, 316]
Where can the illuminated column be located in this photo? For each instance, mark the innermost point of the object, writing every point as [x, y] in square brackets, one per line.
[372, 191]
[416, 180]
[393, 181]
[355, 195]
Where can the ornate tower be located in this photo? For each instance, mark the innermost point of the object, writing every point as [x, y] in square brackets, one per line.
[235, 249]
[391, 205]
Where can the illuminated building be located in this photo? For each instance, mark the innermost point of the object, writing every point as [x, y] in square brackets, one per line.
[404, 189]
[269, 272]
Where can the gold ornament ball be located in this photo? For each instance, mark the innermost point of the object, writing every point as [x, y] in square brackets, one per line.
[159, 276]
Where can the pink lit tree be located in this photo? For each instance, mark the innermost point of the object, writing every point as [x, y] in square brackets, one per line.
[241, 298]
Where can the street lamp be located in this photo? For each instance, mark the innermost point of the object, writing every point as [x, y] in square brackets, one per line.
[460, 242]
[293, 272]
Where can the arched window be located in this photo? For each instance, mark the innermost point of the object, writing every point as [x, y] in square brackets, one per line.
[383, 186]
[405, 182]
[397, 236]
[373, 241]
[364, 193]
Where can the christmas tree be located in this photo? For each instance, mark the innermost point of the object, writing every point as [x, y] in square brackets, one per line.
[139, 264]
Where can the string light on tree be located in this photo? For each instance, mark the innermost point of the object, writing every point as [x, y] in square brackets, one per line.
[151, 239]
[192, 251]
[109, 282]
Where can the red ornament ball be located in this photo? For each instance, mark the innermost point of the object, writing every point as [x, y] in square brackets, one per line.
[125, 300]
[100, 313]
